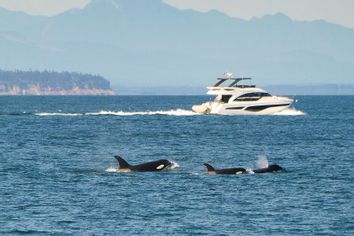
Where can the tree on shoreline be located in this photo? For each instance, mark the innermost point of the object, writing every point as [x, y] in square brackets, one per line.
[51, 79]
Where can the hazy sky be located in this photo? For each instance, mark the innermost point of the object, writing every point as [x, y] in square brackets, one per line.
[335, 11]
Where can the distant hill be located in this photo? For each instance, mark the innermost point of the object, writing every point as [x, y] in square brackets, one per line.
[293, 90]
[52, 83]
[150, 43]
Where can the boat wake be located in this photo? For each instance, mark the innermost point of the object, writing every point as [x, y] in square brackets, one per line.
[290, 112]
[57, 114]
[177, 112]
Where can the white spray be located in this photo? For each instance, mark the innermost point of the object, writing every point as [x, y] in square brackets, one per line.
[262, 162]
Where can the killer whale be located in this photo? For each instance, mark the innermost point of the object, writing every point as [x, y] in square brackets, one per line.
[233, 171]
[270, 168]
[230, 171]
[158, 165]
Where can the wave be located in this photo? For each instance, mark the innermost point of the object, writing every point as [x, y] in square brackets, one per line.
[24, 113]
[174, 165]
[290, 112]
[112, 169]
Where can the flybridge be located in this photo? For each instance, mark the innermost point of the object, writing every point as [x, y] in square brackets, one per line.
[234, 82]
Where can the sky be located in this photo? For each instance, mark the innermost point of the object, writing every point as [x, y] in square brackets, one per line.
[334, 11]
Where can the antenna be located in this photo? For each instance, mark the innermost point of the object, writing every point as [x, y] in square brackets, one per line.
[228, 75]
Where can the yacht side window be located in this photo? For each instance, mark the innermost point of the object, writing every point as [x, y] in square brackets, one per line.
[252, 96]
[225, 98]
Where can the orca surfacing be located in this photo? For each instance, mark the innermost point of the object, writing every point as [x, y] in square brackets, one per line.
[230, 171]
[270, 168]
[239, 170]
[158, 165]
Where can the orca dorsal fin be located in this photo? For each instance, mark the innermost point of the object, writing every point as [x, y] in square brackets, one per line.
[123, 164]
[209, 167]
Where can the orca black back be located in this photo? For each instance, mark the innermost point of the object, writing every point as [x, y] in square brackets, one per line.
[270, 168]
[230, 171]
[152, 166]
[144, 167]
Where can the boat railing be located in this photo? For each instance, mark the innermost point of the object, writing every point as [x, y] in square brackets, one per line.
[245, 86]
[234, 82]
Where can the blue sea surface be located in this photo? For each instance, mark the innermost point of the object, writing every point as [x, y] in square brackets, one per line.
[57, 168]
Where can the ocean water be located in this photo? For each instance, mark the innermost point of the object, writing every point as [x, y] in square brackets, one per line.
[58, 175]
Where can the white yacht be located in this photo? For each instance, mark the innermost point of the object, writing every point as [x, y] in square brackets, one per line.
[236, 99]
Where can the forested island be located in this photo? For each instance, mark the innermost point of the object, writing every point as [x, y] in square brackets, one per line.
[52, 83]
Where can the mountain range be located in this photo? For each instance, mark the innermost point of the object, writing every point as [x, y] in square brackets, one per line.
[150, 43]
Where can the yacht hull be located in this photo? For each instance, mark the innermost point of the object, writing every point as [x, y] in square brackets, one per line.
[243, 108]
[227, 109]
